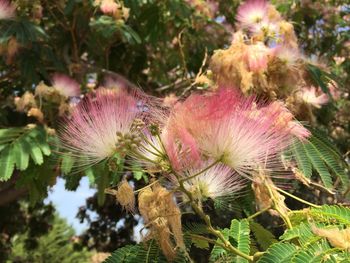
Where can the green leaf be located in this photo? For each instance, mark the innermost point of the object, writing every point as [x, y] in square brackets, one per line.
[317, 162]
[35, 151]
[67, 163]
[130, 35]
[333, 161]
[202, 244]
[240, 231]
[7, 164]
[302, 159]
[302, 232]
[278, 253]
[10, 134]
[314, 253]
[316, 75]
[21, 150]
[196, 228]
[138, 174]
[145, 253]
[217, 251]
[263, 236]
[101, 176]
[39, 136]
[332, 213]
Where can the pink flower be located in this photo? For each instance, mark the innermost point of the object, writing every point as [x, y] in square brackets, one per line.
[7, 9]
[90, 133]
[215, 182]
[189, 118]
[233, 130]
[310, 96]
[65, 85]
[251, 12]
[286, 121]
[257, 56]
[109, 6]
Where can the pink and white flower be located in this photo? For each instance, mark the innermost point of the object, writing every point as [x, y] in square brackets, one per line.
[215, 182]
[286, 121]
[91, 130]
[228, 127]
[65, 85]
[310, 96]
[7, 9]
[251, 12]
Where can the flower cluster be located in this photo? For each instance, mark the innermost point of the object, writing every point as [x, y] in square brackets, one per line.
[61, 93]
[264, 59]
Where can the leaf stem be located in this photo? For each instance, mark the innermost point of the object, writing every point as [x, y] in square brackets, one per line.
[258, 213]
[297, 198]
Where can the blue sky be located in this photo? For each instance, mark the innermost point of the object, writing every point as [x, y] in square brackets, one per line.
[67, 203]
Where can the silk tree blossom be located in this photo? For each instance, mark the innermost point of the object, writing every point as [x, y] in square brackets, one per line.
[7, 9]
[187, 119]
[217, 181]
[251, 12]
[310, 96]
[90, 133]
[151, 152]
[235, 130]
[285, 121]
[65, 85]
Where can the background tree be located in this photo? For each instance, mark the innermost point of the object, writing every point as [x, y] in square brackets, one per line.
[59, 245]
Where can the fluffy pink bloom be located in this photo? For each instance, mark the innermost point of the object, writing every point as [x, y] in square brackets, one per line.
[7, 9]
[286, 121]
[233, 129]
[251, 12]
[187, 119]
[65, 85]
[217, 181]
[91, 130]
[109, 6]
[257, 56]
[310, 96]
